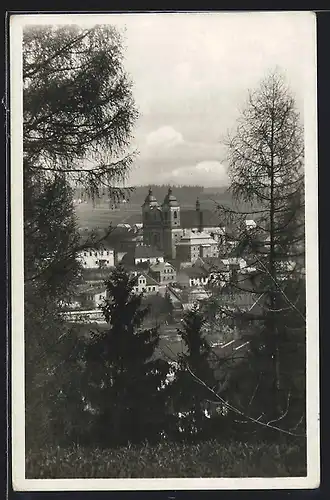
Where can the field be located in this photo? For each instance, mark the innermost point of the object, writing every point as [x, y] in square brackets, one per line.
[101, 216]
[169, 460]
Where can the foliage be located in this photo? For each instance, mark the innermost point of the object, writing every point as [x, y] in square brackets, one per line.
[265, 159]
[189, 397]
[76, 129]
[123, 381]
[51, 272]
[160, 307]
[71, 117]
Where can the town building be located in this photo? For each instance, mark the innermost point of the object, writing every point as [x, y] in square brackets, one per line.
[146, 253]
[192, 276]
[95, 258]
[163, 272]
[193, 245]
[186, 299]
[145, 284]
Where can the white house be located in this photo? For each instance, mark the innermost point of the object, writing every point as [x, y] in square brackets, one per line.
[192, 277]
[93, 258]
[145, 284]
[147, 253]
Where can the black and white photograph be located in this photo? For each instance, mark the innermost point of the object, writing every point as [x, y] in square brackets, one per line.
[164, 251]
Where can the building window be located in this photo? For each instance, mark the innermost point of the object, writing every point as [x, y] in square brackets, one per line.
[153, 288]
[95, 254]
[90, 254]
[175, 215]
[85, 254]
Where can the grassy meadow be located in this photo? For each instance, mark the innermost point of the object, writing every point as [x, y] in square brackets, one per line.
[170, 460]
[102, 216]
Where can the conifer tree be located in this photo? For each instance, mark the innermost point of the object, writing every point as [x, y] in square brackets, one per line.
[125, 382]
[189, 394]
[265, 166]
[76, 133]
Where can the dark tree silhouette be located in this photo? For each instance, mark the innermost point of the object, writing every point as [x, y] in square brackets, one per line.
[125, 383]
[76, 131]
[265, 160]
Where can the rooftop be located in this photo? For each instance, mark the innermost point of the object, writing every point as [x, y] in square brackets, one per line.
[96, 274]
[160, 266]
[149, 280]
[193, 272]
[87, 288]
[212, 263]
[146, 251]
[201, 238]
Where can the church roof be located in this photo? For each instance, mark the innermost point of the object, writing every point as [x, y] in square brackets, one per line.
[170, 200]
[150, 199]
[191, 218]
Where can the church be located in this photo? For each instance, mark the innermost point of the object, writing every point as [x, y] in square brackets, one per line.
[169, 227]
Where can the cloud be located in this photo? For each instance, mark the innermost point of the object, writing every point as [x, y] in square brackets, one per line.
[205, 173]
[167, 156]
[165, 136]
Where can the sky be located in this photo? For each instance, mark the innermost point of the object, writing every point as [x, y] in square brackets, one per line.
[191, 73]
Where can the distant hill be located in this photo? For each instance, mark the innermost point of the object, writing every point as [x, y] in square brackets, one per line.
[186, 195]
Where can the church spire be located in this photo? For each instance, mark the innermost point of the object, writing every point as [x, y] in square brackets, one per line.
[170, 199]
[150, 199]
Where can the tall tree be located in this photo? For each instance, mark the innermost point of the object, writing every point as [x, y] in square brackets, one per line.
[125, 382]
[189, 395]
[75, 126]
[78, 113]
[265, 166]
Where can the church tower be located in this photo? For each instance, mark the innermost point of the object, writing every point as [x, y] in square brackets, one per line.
[199, 212]
[171, 224]
[152, 222]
